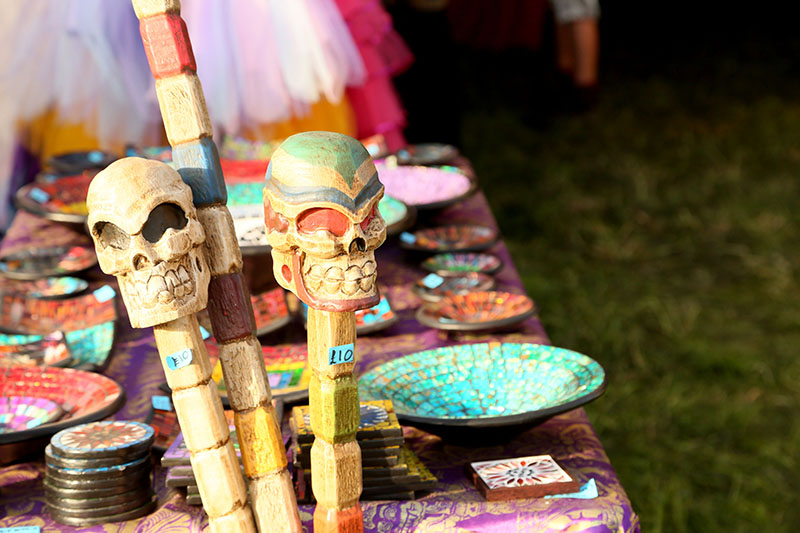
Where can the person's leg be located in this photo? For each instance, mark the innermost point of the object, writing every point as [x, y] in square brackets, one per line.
[565, 49]
[586, 42]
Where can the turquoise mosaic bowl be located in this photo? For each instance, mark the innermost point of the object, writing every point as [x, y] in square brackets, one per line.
[459, 390]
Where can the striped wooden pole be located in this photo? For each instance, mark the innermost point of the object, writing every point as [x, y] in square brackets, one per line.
[188, 127]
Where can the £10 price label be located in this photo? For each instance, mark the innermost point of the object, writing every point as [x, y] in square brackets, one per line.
[346, 353]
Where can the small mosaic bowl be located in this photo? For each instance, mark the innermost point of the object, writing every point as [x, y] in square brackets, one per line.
[76, 162]
[451, 238]
[463, 262]
[484, 391]
[476, 311]
[425, 187]
[397, 215]
[44, 262]
[434, 287]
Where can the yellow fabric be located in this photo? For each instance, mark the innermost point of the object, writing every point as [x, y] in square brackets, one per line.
[323, 116]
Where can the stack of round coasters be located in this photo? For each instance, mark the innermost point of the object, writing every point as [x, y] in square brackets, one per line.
[99, 472]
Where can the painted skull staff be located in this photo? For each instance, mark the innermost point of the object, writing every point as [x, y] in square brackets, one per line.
[321, 213]
[183, 108]
[147, 234]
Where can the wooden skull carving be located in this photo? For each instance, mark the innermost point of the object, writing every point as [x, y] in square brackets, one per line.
[147, 234]
[321, 212]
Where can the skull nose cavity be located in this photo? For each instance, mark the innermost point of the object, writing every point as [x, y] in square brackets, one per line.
[140, 262]
[358, 244]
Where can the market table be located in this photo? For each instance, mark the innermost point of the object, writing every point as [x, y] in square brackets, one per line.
[454, 505]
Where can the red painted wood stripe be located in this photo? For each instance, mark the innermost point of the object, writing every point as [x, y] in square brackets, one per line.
[167, 45]
[229, 308]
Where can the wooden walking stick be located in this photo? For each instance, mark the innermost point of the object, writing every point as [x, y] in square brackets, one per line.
[183, 109]
[321, 211]
[147, 234]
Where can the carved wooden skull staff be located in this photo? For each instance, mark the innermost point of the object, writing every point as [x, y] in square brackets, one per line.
[321, 212]
[147, 234]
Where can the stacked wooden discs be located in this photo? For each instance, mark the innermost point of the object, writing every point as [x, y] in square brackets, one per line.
[99, 472]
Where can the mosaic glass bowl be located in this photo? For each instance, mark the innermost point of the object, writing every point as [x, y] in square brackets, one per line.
[426, 154]
[62, 200]
[434, 287]
[45, 262]
[463, 262]
[84, 396]
[451, 238]
[460, 390]
[476, 311]
[50, 350]
[88, 347]
[425, 187]
[46, 288]
[270, 310]
[18, 413]
[75, 162]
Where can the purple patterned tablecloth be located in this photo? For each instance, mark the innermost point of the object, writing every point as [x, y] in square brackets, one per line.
[455, 505]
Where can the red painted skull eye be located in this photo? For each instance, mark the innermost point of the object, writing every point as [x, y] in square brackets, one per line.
[274, 221]
[366, 221]
[319, 218]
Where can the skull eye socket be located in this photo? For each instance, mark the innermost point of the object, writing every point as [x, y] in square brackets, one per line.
[274, 221]
[162, 218]
[319, 218]
[111, 235]
[366, 221]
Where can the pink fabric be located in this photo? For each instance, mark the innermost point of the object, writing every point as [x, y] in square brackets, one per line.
[375, 103]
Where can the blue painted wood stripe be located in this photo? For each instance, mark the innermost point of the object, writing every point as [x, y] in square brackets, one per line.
[198, 164]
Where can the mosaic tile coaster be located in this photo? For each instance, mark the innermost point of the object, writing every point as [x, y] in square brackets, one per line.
[24, 412]
[78, 521]
[522, 477]
[388, 460]
[288, 378]
[101, 472]
[141, 494]
[450, 238]
[116, 438]
[377, 420]
[134, 479]
[53, 459]
[463, 262]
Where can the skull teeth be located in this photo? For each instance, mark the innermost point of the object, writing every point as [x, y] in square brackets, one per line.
[174, 282]
[335, 280]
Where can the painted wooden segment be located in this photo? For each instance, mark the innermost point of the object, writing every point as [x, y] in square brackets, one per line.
[204, 404]
[149, 8]
[329, 330]
[350, 520]
[178, 335]
[218, 464]
[267, 454]
[183, 108]
[167, 45]
[335, 413]
[198, 164]
[229, 308]
[243, 360]
[239, 520]
[223, 253]
[274, 490]
[336, 474]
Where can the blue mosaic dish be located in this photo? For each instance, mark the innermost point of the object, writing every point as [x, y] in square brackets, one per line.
[89, 347]
[454, 389]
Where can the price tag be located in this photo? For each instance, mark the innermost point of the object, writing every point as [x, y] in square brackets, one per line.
[38, 195]
[204, 333]
[162, 403]
[432, 280]
[104, 293]
[179, 359]
[21, 529]
[408, 238]
[341, 354]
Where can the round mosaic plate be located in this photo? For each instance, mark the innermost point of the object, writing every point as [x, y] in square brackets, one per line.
[84, 396]
[398, 216]
[116, 438]
[476, 311]
[426, 154]
[75, 162]
[451, 238]
[44, 262]
[425, 187]
[47, 288]
[463, 262]
[61, 200]
[434, 287]
[18, 413]
[377, 318]
[486, 385]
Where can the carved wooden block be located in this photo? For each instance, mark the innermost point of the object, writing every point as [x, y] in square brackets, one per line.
[167, 45]
[219, 463]
[174, 338]
[335, 413]
[149, 8]
[267, 455]
[243, 359]
[350, 520]
[329, 330]
[229, 308]
[239, 520]
[198, 164]
[222, 249]
[203, 401]
[336, 474]
[275, 490]
[183, 108]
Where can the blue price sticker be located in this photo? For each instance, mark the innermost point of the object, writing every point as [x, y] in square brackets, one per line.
[104, 293]
[408, 238]
[162, 403]
[38, 195]
[346, 353]
[179, 359]
[432, 280]
[21, 529]
[204, 333]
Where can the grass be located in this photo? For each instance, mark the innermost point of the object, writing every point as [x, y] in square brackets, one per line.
[660, 235]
